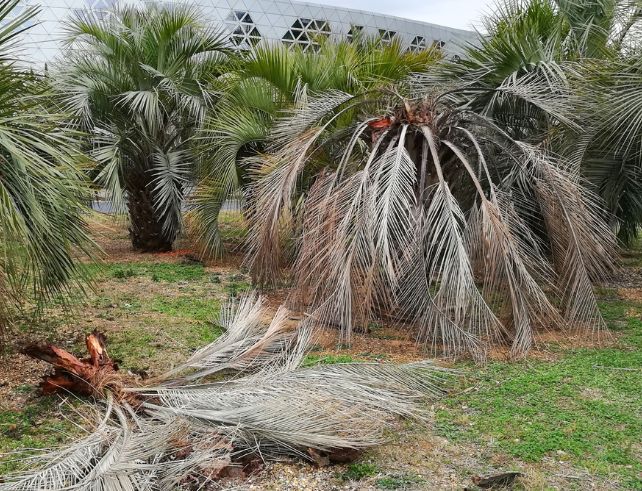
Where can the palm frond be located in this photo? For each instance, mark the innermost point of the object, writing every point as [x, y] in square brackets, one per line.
[43, 195]
[277, 410]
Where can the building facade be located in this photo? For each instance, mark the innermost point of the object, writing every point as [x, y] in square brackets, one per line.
[250, 22]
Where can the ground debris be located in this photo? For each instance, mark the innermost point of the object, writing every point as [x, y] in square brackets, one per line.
[84, 377]
[505, 480]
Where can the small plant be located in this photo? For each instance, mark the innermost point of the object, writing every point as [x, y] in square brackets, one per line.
[155, 277]
[398, 482]
[122, 273]
[359, 471]
[374, 325]
[24, 389]
[234, 287]
[236, 278]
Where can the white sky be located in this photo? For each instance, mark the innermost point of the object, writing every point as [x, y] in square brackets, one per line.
[462, 14]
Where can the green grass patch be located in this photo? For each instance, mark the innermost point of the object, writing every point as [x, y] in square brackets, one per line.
[188, 307]
[169, 272]
[117, 304]
[141, 346]
[37, 425]
[358, 471]
[133, 347]
[123, 272]
[399, 481]
[198, 335]
[236, 284]
[584, 407]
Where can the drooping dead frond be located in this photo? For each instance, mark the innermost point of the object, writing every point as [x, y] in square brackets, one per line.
[582, 244]
[508, 273]
[433, 215]
[270, 407]
[349, 251]
[277, 176]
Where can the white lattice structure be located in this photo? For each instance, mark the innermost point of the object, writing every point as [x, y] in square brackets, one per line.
[249, 22]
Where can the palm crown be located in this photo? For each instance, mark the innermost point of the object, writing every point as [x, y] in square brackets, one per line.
[136, 80]
[418, 205]
[267, 81]
[588, 50]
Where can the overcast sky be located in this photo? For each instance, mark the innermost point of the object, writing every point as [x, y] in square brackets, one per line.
[462, 14]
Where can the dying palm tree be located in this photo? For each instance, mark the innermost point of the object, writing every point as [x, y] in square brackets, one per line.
[429, 213]
[43, 194]
[267, 81]
[136, 79]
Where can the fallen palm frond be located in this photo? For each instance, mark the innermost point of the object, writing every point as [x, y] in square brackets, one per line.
[431, 214]
[166, 434]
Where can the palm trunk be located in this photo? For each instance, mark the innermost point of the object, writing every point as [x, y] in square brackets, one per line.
[146, 230]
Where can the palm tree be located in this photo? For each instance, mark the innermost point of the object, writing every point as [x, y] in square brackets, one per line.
[43, 194]
[587, 49]
[136, 80]
[269, 80]
[430, 213]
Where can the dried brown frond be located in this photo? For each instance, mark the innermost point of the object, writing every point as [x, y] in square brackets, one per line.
[435, 216]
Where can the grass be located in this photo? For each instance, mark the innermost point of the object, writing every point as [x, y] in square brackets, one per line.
[186, 307]
[179, 318]
[312, 360]
[399, 481]
[583, 408]
[167, 272]
[359, 471]
[38, 425]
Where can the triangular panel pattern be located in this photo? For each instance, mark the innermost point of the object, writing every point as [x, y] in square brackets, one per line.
[248, 23]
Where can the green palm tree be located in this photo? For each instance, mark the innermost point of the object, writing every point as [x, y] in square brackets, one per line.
[267, 81]
[587, 50]
[136, 80]
[608, 150]
[43, 195]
